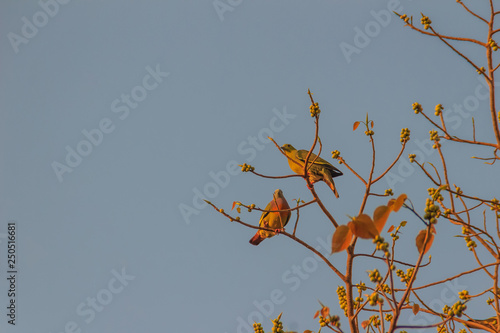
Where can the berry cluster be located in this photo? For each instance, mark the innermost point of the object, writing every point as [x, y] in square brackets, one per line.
[357, 302]
[432, 211]
[493, 45]
[375, 276]
[457, 309]
[361, 287]
[405, 135]
[471, 244]
[335, 154]
[369, 132]
[277, 326]
[434, 136]
[405, 18]
[435, 194]
[375, 298]
[386, 289]
[342, 298]
[496, 204]
[332, 320]
[257, 328]
[314, 109]
[425, 21]
[382, 245]
[416, 107]
[438, 110]
[405, 277]
[246, 167]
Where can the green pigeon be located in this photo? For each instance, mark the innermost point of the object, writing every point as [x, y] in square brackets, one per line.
[492, 322]
[274, 220]
[319, 170]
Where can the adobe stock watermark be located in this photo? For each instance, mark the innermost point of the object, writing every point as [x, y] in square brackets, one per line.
[291, 279]
[30, 27]
[454, 118]
[121, 107]
[88, 309]
[247, 148]
[447, 296]
[223, 6]
[363, 36]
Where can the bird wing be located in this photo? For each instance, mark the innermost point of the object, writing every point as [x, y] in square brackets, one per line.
[302, 154]
[270, 206]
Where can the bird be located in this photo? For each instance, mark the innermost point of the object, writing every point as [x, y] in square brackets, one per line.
[319, 169]
[491, 322]
[274, 220]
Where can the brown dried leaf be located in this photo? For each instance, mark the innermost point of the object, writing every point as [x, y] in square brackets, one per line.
[380, 216]
[399, 202]
[415, 308]
[238, 209]
[341, 238]
[363, 227]
[420, 240]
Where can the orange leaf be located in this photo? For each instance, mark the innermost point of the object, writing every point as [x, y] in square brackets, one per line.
[365, 323]
[341, 238]
[363, 227]
[421, 237]
[399, 202]
[325, 311]
[415, 308]
[380, 216]
[355, 126]
[391, 228]
[234, 204]
[316, 314]
[371, 123]
[238, 210]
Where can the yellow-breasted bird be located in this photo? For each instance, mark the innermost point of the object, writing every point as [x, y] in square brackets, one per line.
[319, 170]
[274, 220]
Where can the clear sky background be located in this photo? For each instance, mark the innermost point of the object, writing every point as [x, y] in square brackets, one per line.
[172, 94]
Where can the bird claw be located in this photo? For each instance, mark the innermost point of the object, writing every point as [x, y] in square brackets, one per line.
[279, 231]
[310, 187]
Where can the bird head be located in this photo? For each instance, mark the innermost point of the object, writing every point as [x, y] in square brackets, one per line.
[278, 193]
[288, 148]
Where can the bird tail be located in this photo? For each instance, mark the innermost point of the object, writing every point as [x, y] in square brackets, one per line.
[256, 239]
[329, 181]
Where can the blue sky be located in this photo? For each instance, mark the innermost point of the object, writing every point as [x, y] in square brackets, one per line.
[115, 114]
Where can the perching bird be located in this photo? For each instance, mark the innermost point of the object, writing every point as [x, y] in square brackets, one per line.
[274, 220]
[319, 170]
[491, 322]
